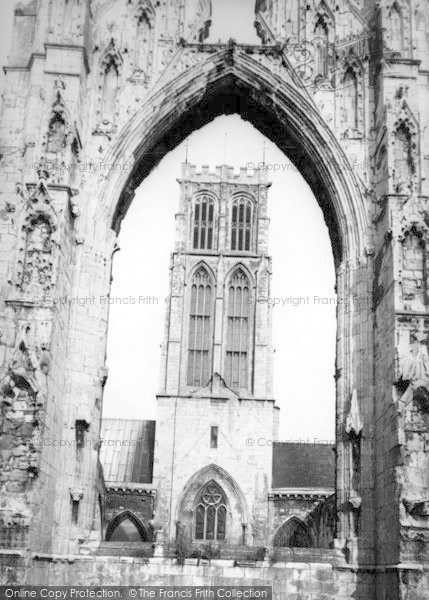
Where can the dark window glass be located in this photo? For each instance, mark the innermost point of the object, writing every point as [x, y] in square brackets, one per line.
[241, 224]
[236, 367]
[203, 223]
[199, 343]
[213, 437]
[221, 523]
[210, 514]
[211, 523]
[199, 522]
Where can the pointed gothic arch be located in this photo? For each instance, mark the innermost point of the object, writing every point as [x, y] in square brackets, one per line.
[232, 81]
[202, 264]
[234, 501]
[210, 509]
[240, 265]
[159, 125]
[322, 25]
[397, 27]
[144, 39]
[110, 72]
[294, 533]
[36, 257]
[242, 230]
[200, 332]
[122, 517]
[406, 149]
[204, 215]
[397, 16]
[351, 97]
[238, 350]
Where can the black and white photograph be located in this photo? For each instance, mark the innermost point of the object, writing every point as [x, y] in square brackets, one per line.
[214, 299]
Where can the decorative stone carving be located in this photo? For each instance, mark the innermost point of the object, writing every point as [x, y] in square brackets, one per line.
[144, 41]
[20, 375]
[353, 420]
[110, 71]
[405, 148]
[414, 360]
[396, 17]
[413, 273]
[353, 449]
[58, 128]
[421, 399]
[22, 394]
[352, 508]
[35, 269]
[350, 94]
[76, 494]
[177, 274]
[61, 146]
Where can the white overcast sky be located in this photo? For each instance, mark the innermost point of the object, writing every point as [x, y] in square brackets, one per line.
[303, 336]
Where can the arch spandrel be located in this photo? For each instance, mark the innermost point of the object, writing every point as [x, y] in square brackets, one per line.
[231, 81]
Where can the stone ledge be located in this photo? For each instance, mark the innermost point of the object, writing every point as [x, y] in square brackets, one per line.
[12, 552]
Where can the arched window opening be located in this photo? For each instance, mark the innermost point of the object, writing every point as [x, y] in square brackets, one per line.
[396, 28]
[237, 343]
[199, 346]
[241, 224]
[57, 138]
[67, 20]
[350, 99]
[321, 43]
[110, 90]
[293, 534]
[414, 277]
[403, 158]
[203, 223]
[36, 271]
[126, 527]
[210, 514]
[143, 43]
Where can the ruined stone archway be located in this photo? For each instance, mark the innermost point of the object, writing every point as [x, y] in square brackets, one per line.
[54, 98]
[234, 81]
[293, 533]
[126, 515]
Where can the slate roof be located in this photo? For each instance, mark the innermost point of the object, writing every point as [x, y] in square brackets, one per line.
[298, 465]
[127, 450]
[128, 446]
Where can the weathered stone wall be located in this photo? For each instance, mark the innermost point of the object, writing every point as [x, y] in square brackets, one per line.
[183, 465]
[89, 109]
[288, 579]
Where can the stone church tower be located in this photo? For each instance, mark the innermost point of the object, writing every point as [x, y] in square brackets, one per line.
[96, 92]
[215, 397]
